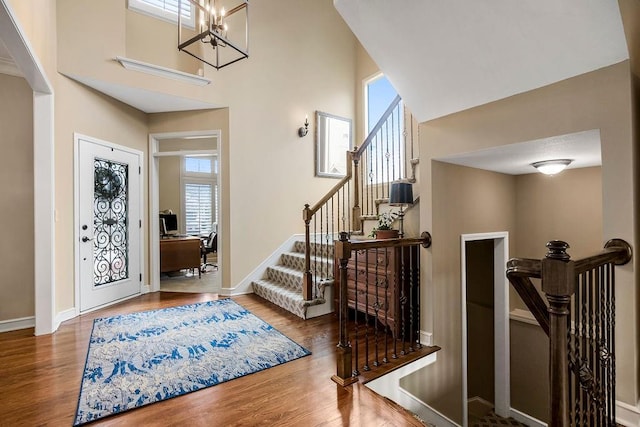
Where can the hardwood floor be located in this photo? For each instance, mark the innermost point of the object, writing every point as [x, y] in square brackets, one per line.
[40, 379]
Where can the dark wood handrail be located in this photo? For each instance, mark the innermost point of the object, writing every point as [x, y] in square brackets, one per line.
[561, 278]
[377, 127]
[345, 247]
[616, 251]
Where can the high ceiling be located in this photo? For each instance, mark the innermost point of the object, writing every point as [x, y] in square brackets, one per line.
[444, 56]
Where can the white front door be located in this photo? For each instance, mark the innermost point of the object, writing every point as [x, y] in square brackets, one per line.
[108, 208]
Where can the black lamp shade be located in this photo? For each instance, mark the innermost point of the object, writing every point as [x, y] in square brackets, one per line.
[401, 193]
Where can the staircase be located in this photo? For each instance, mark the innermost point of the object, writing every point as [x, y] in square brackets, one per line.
[282, 283]
[299, 282]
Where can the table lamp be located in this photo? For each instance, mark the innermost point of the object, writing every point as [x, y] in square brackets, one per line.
[401, 194]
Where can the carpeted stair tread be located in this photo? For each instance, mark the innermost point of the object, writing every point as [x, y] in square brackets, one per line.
[284, 297]
[289, 277]
[321, 249]
[296, 261]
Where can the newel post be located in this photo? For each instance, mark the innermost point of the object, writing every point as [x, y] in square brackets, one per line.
[344, 371]
[558, 283]
[307, 279]
[356, 212]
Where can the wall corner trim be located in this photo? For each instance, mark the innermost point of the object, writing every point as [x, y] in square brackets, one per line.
[627, 415]
[63, 316]
[426, 338]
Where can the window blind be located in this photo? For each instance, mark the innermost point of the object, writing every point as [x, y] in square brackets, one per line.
[170, 6]
[198, 208]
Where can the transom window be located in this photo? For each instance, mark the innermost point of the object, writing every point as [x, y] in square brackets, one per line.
[166, 10]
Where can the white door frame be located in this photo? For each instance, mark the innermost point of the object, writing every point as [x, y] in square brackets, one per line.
[76, 210]
[154, 194]
[502, 398]
[44, 166]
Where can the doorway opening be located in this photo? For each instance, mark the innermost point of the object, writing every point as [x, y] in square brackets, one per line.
[185, 195]
[485, 325]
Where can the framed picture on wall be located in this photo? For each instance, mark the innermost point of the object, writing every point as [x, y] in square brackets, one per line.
[333, 140]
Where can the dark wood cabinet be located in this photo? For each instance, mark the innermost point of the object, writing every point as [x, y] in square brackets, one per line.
[377, 280]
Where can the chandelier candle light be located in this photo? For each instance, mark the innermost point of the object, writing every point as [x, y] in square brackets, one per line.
[217, 27]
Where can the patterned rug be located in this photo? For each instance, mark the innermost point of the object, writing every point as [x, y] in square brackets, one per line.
[142, 358]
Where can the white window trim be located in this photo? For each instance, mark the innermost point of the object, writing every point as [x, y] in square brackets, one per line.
[145, 8]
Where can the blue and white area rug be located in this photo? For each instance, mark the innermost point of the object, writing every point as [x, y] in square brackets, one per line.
[142, 358]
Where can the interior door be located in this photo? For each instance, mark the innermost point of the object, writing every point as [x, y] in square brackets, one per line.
[109, 223]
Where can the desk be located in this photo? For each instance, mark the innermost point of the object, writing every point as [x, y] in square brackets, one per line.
[177, 253]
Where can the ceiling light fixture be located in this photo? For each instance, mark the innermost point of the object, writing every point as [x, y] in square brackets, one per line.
[551, 167]
[218, 28]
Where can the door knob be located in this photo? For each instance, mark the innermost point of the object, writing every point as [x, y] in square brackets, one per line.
[86, 239]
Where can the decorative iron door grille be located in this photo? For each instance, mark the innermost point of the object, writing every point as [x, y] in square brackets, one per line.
[111, 202]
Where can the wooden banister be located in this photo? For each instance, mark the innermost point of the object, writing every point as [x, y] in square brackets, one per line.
[377, 127]
[341, 208]
[346, 373]
[581, 349]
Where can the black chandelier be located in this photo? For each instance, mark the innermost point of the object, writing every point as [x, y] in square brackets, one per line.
[218, 28]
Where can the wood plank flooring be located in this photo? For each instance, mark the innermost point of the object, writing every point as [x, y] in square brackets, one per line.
[40, 379]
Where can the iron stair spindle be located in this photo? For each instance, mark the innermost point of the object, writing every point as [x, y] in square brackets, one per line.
[366, 310]
[376, 309]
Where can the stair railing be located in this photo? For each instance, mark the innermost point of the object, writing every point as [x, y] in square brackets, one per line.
[387, 154]
[385, 304]
[581, 347]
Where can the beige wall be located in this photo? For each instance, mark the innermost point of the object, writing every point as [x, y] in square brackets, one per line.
[303, 64]
[566, 207]
[84, 111]
[169, 185]
[16, 203]
[598, 100]
[529, 351]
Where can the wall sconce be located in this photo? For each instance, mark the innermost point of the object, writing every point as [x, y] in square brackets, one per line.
[302, 132]
[551, 167]
[401, 194]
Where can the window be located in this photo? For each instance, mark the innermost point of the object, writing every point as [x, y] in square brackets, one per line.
[378, 96]
[166, 10]
[199, 193]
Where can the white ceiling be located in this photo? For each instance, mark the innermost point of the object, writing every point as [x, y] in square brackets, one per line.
[515, 159]
[142, 99]
[444, 56]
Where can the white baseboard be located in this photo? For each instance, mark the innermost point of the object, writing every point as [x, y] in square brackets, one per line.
[627, 415]
[526, 419]
[389, 386]
[17, 324]
[424, 411]
[244, 286]
[63, 316]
